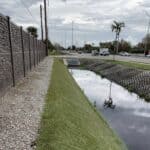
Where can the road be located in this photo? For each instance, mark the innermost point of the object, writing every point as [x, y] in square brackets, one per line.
[138, 59]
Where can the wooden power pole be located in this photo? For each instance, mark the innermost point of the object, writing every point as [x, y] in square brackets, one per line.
[41, 15]
[46, 28]
[72, 34]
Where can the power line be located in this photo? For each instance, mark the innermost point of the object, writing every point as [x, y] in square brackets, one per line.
[28, 10]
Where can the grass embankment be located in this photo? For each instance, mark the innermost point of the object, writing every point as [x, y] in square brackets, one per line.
[55, 52]
[69, 121]
[132, 64]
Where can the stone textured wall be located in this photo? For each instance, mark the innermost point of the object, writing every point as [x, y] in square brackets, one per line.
[27, 52]
[5, 59]
[17, 51]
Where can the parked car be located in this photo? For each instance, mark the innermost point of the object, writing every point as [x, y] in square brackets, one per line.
[104, 53]
[148, 56]
[124, 54]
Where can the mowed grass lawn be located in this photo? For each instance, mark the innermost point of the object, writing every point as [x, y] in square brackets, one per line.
[132, 64]
[69, 121]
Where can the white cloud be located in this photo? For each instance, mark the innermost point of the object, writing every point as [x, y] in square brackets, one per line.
[92, 18]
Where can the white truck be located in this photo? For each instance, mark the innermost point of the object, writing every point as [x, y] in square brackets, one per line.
[104, 51]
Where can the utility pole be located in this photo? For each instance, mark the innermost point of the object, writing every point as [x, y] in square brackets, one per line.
[65, 29]
[41, 15]
[46, 28]
[65, 39]
[72, 34]
[84, 46]
[147, 36]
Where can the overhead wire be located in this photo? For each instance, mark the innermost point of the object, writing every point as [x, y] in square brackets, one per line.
[28, 10]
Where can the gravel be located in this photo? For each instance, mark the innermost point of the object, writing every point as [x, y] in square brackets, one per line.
[21, 108]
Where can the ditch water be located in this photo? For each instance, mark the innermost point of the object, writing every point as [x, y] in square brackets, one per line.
[131, 117]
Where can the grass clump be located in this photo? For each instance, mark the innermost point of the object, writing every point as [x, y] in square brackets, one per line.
[69, 122]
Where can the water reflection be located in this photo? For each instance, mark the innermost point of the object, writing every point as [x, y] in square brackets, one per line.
[131, 116]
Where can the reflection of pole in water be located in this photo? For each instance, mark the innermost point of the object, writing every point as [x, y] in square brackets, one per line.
[110, 89]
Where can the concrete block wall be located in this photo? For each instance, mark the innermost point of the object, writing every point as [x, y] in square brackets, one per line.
[19, 53]
[5, 58]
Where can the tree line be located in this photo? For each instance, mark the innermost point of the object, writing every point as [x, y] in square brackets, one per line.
[121, 45]
[114, 46]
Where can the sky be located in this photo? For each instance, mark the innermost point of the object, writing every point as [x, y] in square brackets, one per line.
[91, 19]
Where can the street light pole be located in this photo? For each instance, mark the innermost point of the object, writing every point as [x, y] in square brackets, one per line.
[72, 34]
[65, 39]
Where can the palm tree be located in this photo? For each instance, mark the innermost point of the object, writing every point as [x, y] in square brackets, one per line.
[117, 27]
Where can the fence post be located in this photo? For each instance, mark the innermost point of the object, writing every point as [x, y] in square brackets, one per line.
[23, 57]
[11, 50]
[34, 50]
[39, 51]
[29, 51]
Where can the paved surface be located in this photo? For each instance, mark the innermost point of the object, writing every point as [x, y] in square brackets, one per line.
[120, 58]
[21, 107]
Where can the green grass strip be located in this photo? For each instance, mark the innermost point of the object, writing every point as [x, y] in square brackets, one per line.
[69, 121]
[132, 64]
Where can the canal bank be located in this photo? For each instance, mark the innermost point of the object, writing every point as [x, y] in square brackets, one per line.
[134, 79]
[130, 118]
[69, 121]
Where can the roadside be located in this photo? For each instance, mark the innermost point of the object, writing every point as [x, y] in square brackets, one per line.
[69, 121]
[21, 107]
[143, 60]
[131, 64]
